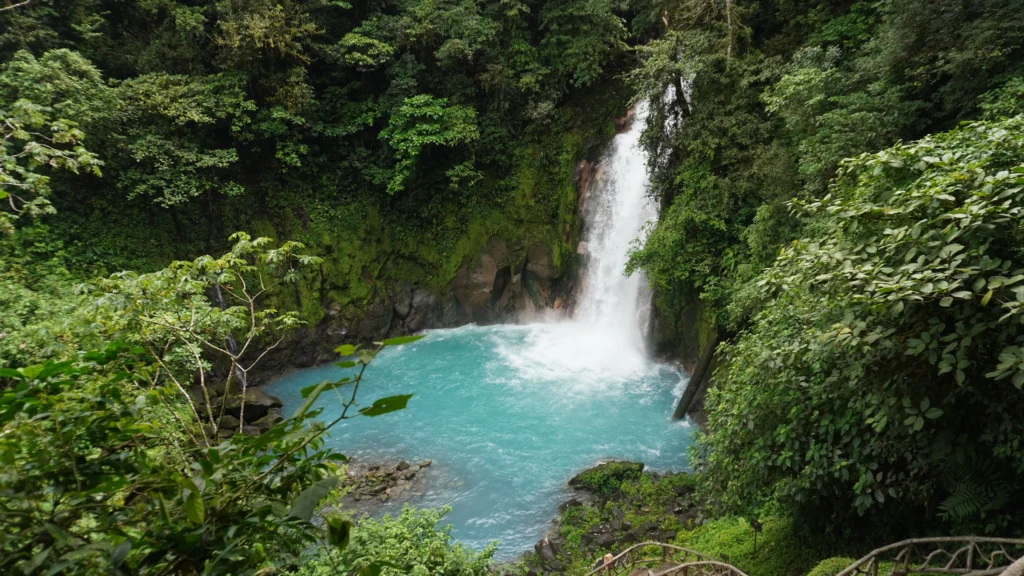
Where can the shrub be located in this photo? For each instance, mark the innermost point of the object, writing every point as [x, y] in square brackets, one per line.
[831, 566]
[410, 543]
[781, 549]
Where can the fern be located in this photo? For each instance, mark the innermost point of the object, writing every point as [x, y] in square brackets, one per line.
[976, 488]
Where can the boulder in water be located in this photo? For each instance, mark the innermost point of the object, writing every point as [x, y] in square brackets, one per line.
[604, 479]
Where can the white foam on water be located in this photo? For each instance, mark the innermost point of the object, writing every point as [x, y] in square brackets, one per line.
[605, 340]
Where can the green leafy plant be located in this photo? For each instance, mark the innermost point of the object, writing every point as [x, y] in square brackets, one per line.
[886, 330]
[31, 140]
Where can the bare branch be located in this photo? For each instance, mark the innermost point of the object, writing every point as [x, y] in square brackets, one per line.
[181, 389]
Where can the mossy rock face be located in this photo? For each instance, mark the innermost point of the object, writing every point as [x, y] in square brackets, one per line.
[605, 479]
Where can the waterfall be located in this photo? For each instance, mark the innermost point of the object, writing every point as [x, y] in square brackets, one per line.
[230, 342]
[604, 343]
[616, 211]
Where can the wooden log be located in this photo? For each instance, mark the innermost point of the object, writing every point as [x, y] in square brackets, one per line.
[700, 375]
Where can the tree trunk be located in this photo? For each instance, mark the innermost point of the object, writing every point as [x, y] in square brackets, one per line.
[700, 375]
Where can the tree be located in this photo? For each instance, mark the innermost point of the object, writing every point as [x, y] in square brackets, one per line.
[98, 475]
[422, 121]
[108, 464]
[31, 140]
[885, 356]
[210, 306]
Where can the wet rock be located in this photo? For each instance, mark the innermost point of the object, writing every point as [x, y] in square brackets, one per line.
[369, 485]
[583, 176]
[544, 550]
[605, 540]
[426, 311]
[614, 473]
[376, 320]
[424, 463]
[250, 431]
[538, 262]
[479, 285]
[229, 422]
[268, 421]
[403, 302]
[257, 404]
[569, 504]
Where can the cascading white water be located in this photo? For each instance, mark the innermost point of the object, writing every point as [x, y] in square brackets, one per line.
[604, 342]
[617, 210]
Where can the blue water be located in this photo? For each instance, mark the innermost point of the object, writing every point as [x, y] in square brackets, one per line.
[507, 414]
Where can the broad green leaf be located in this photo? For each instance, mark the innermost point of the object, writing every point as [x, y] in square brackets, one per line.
[120, 552]
[310, 397]
[986, 298]
[386, 405]
[402, 340]
[307, 500]
[339, 531]
[933, 413]
[195, 510]
[305, 392]
[345, 350]
[206, 466]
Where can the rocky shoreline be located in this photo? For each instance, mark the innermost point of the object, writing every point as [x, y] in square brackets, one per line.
[258, 410]
[371, 486]
[614, 505]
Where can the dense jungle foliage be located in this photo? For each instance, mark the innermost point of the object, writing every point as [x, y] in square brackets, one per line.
[841, 191]
[873, 382]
